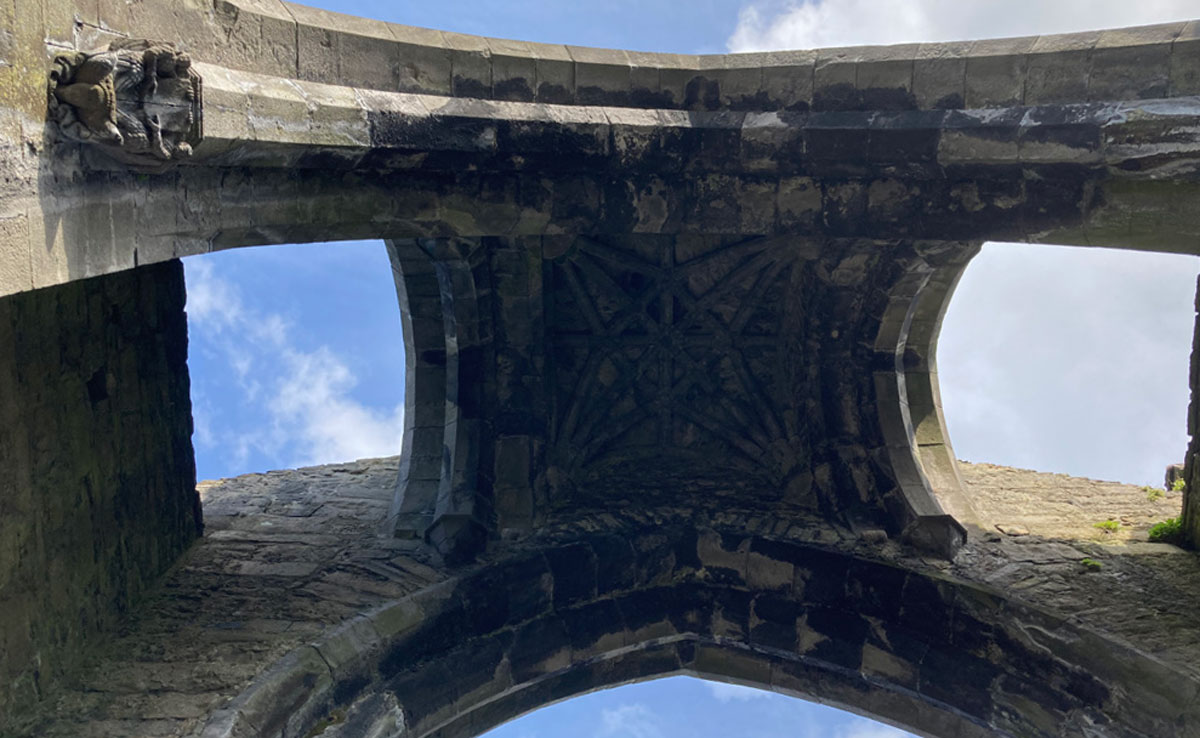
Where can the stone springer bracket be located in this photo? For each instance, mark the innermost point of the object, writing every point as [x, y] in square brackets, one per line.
[138, 101]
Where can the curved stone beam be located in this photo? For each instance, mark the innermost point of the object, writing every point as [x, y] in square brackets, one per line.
[930, 438]
[444, 491]
[938, 657]
[909, 401]
[1077, 139]
[423, 325]
[283, 39]
[257, 120]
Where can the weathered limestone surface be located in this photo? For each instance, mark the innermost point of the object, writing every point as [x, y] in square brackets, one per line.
[285, 557]
[671, 324]
[777, 376]
[97, 482]
[1083, 139]
[290, 556]
[1022, 502]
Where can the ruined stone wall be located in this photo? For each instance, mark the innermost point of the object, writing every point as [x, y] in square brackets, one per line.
[97, 480]
[1191, 470]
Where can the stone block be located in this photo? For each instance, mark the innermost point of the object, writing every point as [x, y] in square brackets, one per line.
[480, 670]
[258, 34]
[740, 81]
[939, 75]
[833, 636]
[528, 589]
[485, 603]
[470, 65]
[787, 80]
[727, 664]
[336, 118]
[602, 76]
[317, 57]
[513, 462]
[996, 72]
[835, 77]
[757, 213]
[1185, 62]
[882, 664]
[958, 679]
[345, 49]
[971, 137]
[724, 558]
[370, 59]
[574, 571]
[647, 613]
[394, 621]
[350, 650]
[1133, 64]
[514, 70]
[876, 589]
[59, 19]
[554, 74]
[927, 610]
[675, 73]
[645, 83]
[765, 572]
[594, 629]
[539, 648]
[905, 137]
[884, 77]
[799, 202]
[774, 621]
[424, 60]
[1059, 67]
[426, 693]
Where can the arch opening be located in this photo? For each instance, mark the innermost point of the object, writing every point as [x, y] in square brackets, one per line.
[1072, 361]
[937, 657]
[686, 705]
[295, 357]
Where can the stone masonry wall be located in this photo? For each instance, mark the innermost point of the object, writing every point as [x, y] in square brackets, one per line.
[1191, 471]
[97, 479]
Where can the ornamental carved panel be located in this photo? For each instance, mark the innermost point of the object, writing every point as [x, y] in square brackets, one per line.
[674, 366]
[139, 101]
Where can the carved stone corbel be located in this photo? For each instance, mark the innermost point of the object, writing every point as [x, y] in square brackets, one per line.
[139, 101]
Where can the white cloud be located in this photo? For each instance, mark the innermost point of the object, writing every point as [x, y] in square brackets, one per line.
[793, 24]
[305, 395]
[211, 301]
[1070, 360]
[313, 397]
[726, 693]
[629, 721]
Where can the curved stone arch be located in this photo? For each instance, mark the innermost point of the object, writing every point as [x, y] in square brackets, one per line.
[441, 495]
[423, 327]
[937, 656]
[931, 438]
[931, 499]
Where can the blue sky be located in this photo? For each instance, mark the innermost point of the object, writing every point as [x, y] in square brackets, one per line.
[1058, 359]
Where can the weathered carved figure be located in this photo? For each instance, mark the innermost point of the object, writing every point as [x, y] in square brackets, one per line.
[139, 100]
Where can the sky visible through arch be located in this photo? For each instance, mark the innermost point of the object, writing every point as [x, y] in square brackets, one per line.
[1058, 359]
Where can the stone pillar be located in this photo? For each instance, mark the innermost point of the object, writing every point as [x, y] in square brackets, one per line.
[97, 479]
[1191, 471]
